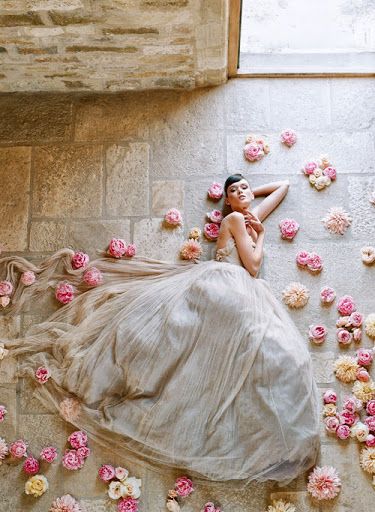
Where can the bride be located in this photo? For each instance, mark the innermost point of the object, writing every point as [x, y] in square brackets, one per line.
[184, 365]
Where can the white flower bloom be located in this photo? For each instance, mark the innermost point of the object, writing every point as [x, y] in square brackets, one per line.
[132, 487]
[116, 490]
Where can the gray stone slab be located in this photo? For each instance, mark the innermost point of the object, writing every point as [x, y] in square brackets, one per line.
[347, 111]
[167, 194]
[154, 240]
[247, 104]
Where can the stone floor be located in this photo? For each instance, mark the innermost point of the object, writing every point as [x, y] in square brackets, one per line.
[76, 171]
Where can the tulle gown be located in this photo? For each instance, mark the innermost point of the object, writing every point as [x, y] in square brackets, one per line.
[185, 365]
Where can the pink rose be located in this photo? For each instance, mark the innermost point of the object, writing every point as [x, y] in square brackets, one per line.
[78, 439]
[71, 460]
[288, 228]
[211, 231]
[184, 486]
[357, 334]
[253, 152]
[42, 374]
[83, 452]
[327, 294]
[64, 292]
[356, 319]
[28, 278]
[288, 137]
[314, 262]
[117, 247]
[331, 424]
[362, 374]
[370, 407]
[93, 277]
[302, 258]
[6, 288]
[48, 454]
[310, 167]
[215, 191]
[131, 250]
[18, 449]
[346, 305]
[121, 473]
[106, 472]
[370, 440]
[317, 333]
[348, 418]
[330, 172]
[31, 466]
[343, 336]
[352, 404]
[343, 321]
[80, 260]
[215, 216]
[173, 217]
[3, 412]
[364, 356]
[127, 505]
[330, 396]
[343, 431]
[370, 422]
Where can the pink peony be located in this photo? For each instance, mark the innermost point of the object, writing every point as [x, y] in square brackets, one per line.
[215, 191]
[314, 262]
[184, 486]
[352, 404]
[302, 258]
[127, 505]
[370, 407]
[48, 454]
[117, 247]
[65, 504]
[83, 452]
[357, 334]
[253, 152]
[288, 228]
[106, 472]
[370, 422]
[93, 277]
[173, 217]
[348, 418]
[31, 466]
[191, 250]
[131, 250]
[343, 432]
[78, 439]
[310, 167]
[362, 375]
[317, 333]
[210, 507]
[72, 461]
[211, 231]
[42, 374]
[288, 137]
[64, 292]
[346, 305]
[215, 216]
[70, 409]
[3, 412]
[343, 336]
[18, 449]
[3, 449]
[330, 396]
[356, 319]
[327, 295]
[28, 278]
[80, 260]
[324, 483]
[370, 440]
[364, 356]
[331, 424]
[6, 288]
[330, 172]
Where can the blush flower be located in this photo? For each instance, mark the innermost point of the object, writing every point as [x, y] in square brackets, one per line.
[288, 228]
[83, 452]
[215, 191]
[330, 396]
[253, 152]
[295, 295]
[215, 216]
[36, 485]
[337, 220]
[317, 333]
[310, 167]
[72, 461]
[64, 292]
[173, 217]
[70, 409]
[6, 288]
[28, 278]
[80, 260]
[211, 231]
[364, 391]
[330, 172]
[127, 505]
[4, 301]
[367, 460]
[314, 262]
[117, 247]
[18, 449]
[195, 233]
[116, 490]
[323, 161]
[331, 424]
[78, 439]
[364, 356]
[3, 412]
[31, 466]
[324, 483]
[302, 258]
[370, 407]
[356, 319]
[106, 472]
[370, 325]
[330, 410]
[368, 255]
[184, 486]
[327, 295]
[191, 250]
[93, 277]
[344, 337]
[362, 375]
[65, 504]
[121, 473]
[48, 454]
[42, 374]
[343, 432]
[346, 305]
[288, 137]
[4, 450]
[370, 441]
[360, 431]
[131, 250]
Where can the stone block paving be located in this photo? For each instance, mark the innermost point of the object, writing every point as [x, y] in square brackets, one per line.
[78, 170]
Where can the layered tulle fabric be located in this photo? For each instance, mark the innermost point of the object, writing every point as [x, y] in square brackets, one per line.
[190, 366]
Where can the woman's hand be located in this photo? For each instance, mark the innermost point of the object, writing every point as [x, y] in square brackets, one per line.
[252, 221]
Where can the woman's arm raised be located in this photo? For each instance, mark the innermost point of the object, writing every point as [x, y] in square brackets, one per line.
[251, 257]
[275, 192]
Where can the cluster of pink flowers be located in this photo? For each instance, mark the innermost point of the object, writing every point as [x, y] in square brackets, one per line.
[317, 333]
[6, 289]
[183, 487]
[255, 148]
[211, 229]
[31, 466]
[121, 487]
[349, 323]
[3, 412]
[288, 137]
[311, 261]
[320, 173]
[288, 228]
[215, 191]
[327, 295]
[42, 374]
[118, 248]
[80, 260]
[173, 217]
[74, 458]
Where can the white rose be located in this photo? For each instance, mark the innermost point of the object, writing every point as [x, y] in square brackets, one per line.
[121, 473]
[132, 487]
[360, 431]
[312, 179]
[318, 172]
[116, 490]
[320, 182]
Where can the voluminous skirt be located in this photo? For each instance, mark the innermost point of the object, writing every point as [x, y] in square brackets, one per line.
[194, 366]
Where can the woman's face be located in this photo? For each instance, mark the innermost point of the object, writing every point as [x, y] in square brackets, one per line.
[239, 195]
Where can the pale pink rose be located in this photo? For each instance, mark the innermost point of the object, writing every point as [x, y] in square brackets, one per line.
[70, 409]
[80, 260]
[314, 262]
[6, 288]
[343, 321]
[331, 424]
[83, 452]
[253, 152]
[65, 504]
[4, 301]
[211, 231]
[3, 412]
[106, 472]
[327, 295]
[330, 172]
[28, 278]
[346, 305]
[31, 466]
[18, 449]
[210, 507]
[343, 432]
[121, 473]
[72, 461]
[357, 334]
[131, 250]
[215, 216]
[78, 439]
[370, 422]
[356, 319]
[310, 167]
[288, 228]
[184, 486]
[215, 191]
[127, 505]
[42, 374]
[302, 258]
[317, 333]
[348, 418]
[93, 277]
[352, 404]
[343, 336]
[362, 374]
[48, 454]
[117, 247]
[364, 356]
[64, 292]
[370, 407]
[173, 217]
[288, 137]
[370, 440]
[330, 396]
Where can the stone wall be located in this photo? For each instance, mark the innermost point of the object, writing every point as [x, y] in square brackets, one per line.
[111, 45]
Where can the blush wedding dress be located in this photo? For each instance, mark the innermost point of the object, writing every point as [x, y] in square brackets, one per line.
[191, 366]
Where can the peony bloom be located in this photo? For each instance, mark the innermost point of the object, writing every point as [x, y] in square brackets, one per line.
[31, 466]
[211, 231]
[310, 167]
[253, 152]
[331, 424]
[352, 404]
[360, 431]
[368, 255]
[6, 288]
[370, 325]
[330, 396]
[70, 409]
[327, 295]
[28, 278]
[362, 375]
[365, 391]
[210, 507]
[367, 459]
[288, 137]
[131, 250]
[295, 295]
[348, 418]
[356, 319]
[116, 490]
[343, 432]
[288, 228]
[364, 356]
[346, 305]
[337, 220]
[173, 217]
[184, 486]
[65, 504]
[132, 487]
[64, 292]
[370, 407]
[36, 485]
[48, 454]
[78, 439]
[215, 216]
[83, 452]
[195, 233]
[42, 374]
[4, 301]
[357, 334]
[121, 473]
[80, 260]
[127, 505]
[106, 472]
[281, 506]
[317, 333]
[314, 262]
[370, 441]
[302, 258]
[345, 368]
[93, 277]
[215, 190]
[3, 351]
[370, 422]
[330, 172]
[117, 247]
[191, 250]
[3, 412]
[72, 461]
[4, 450]
[344, 337]
[324, 483]
[18, 449]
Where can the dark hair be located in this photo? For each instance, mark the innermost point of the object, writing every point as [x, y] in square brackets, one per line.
[233, 178]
